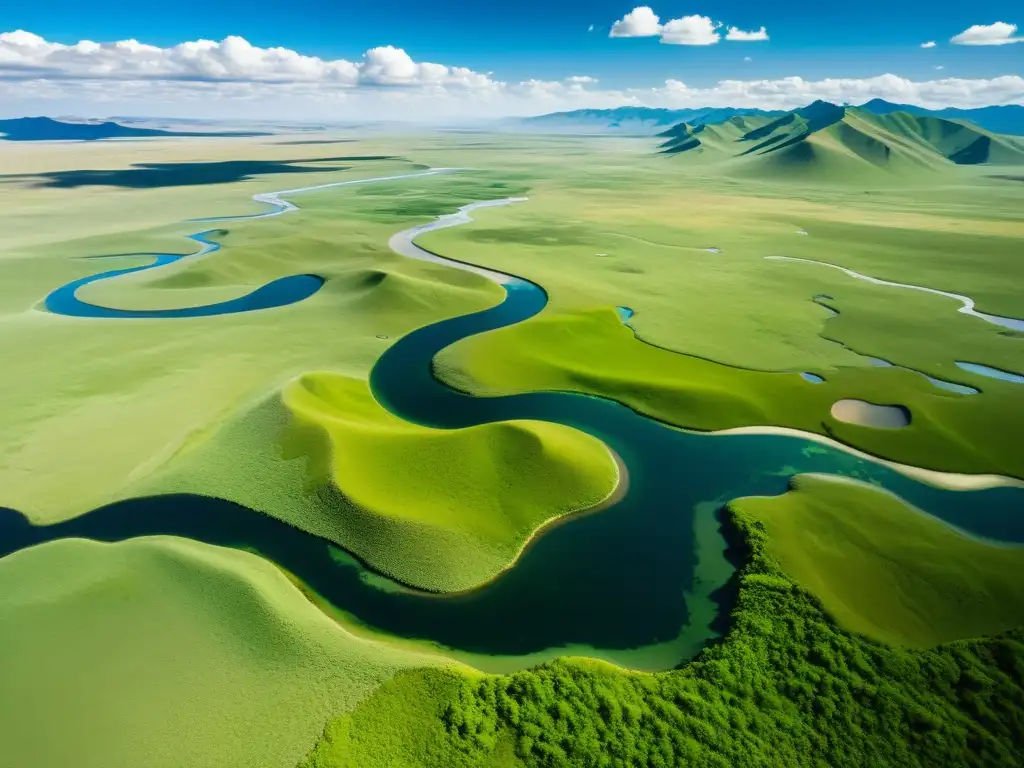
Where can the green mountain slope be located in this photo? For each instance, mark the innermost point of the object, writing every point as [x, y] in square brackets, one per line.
[1008, 119]
[824, 141]
[632, 120]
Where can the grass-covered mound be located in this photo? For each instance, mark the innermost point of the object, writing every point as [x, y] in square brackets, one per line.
[885, 569]
[591, 351]
[439, 509]
[786, 687]
[163, 653]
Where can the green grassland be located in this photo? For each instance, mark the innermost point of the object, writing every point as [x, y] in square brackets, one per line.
[104, 405]
[886, 570]
[786, 686]
[440, 509]
[250, 672]
[591, 351]
[594, 246]
[167, 652]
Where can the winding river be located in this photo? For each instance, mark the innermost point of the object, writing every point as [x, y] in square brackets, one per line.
[641, 583]
[278, 293]
[966, 302]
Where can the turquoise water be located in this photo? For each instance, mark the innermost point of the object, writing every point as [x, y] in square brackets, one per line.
[279, 293]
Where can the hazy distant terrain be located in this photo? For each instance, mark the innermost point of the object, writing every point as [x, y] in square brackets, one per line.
[48, 129]
[647, 121]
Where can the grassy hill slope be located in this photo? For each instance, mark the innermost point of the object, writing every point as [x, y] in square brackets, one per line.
[165, 652]
[823, 142]
[887, 570]
[439, 509]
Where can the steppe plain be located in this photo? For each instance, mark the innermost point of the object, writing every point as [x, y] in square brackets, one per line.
[165, 650]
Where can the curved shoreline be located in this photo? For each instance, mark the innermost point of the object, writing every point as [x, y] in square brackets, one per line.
[277, 293]
[948, 481]
[617, 493]
[967, 303]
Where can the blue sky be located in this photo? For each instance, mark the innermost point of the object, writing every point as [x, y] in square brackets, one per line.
[532, 40]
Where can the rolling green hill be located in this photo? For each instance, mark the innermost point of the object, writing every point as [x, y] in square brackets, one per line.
[825, 141]
[1008, 118]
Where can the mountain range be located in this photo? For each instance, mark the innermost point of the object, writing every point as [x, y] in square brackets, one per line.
[633, 120]
[48, 129]
[649, 121]
[829, 141]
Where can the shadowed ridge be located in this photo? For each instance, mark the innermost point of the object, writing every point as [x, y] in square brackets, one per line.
[827, 141]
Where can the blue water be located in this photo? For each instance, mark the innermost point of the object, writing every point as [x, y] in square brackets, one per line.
[812, 377]
[960, 389]
[278, 293]
[992, 373]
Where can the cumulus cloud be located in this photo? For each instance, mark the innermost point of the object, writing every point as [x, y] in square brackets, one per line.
[26, 55]
[690, 30]
[640, 22]
[739, 36]
[235, 79]
[791, 92]
[999, 33]
[929, 44]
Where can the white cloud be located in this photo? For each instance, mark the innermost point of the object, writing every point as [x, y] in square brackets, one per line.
[929, 44]
[999, 33]
[640, 22]
[687, 30]
[739, 36]
[747, 58]
[590, 28]
[690, 30]
[939, 66]
[790, 92]
[235, 79]
[25, 55]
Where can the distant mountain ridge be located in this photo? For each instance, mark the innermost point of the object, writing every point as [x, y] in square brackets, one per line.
[48, 129]
[648, 120]
[829, 141]
[640, 120]
[1007, 119]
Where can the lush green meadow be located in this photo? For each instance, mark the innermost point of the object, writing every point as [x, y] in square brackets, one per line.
[439, 509]
[727, 332]
[887, 570]
[166, 652]
[859, 630]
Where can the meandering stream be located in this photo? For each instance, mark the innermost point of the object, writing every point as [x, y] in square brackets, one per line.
[635, 583]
